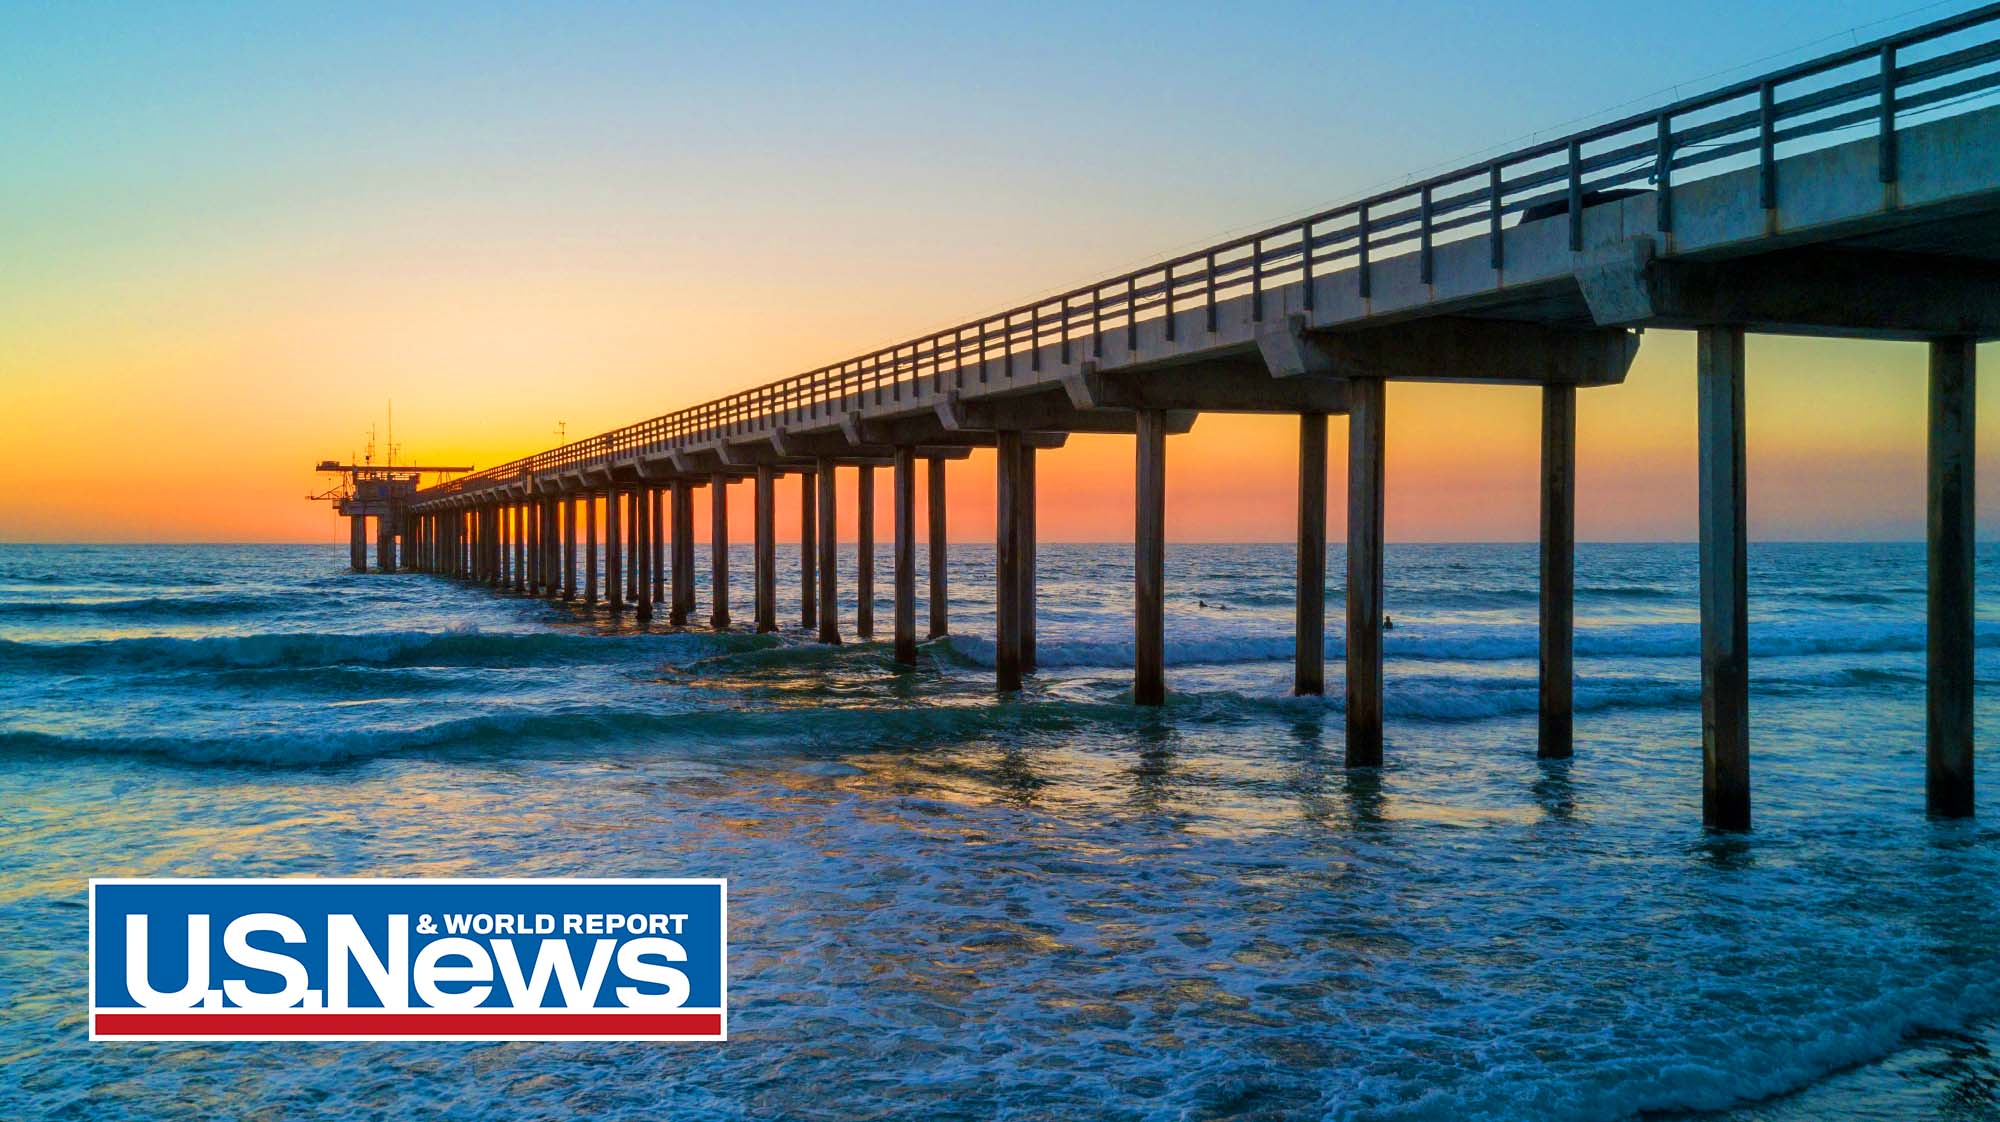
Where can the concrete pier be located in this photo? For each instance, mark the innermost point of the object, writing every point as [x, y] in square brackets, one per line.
[1948, 785]
[357, 542]
[766, 596]
[940, 550]
[905, 517]
[635, 566]
[1007, 562]
[864, 552]
[1882, 230]
[1309, 597]
[1725, 632]
[1364, 572]
[718, 551]
[808, 549]
[829, 555]
[1558, 557]
[1149, 561]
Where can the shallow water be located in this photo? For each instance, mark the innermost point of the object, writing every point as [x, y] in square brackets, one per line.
[944, 905]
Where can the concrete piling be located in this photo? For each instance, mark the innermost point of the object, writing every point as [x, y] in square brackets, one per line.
[1309, 605]
[1364, 572]
[1725, 632]
[934, 526]
[905, 517]
[829, 555]
[1007, 562]
[864, 552]
[1024, 534]
[808, 548]
[766, 596]
[614, 550]
[590, 547]
[1948, 782]
[718, 551]
[1149, 561]
[357, 542]
[1558, 584]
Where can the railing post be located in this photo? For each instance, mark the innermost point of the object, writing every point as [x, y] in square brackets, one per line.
[1885, 143]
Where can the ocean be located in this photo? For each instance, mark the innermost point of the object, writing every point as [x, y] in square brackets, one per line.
[946, 905]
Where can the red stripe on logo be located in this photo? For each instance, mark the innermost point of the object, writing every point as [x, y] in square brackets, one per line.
[408, 1024]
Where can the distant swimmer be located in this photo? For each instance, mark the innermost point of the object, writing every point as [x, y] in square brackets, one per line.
[1388, 622]
[1199, 602]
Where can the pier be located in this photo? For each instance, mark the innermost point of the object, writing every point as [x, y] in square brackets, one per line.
[1853, 195]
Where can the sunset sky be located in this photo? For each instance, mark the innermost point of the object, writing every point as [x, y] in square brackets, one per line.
[233, 233]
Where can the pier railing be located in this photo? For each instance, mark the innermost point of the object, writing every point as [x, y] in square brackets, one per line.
[1874, 87]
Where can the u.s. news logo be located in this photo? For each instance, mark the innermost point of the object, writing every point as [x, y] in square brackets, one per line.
[417, 959]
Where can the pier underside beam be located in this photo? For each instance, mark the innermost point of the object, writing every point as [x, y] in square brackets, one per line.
[1948, 786]
[1558, 556]
[1725, 656]
[1814, 291]
[905, 563]
[1149, 561]
[766, 501]
[1309, 607]
[1453, 349]
[1364, 573]
[934, 527]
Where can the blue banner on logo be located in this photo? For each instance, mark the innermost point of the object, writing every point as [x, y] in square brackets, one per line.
[408, 959]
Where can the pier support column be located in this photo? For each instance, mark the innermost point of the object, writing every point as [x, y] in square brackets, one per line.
[1364, 572]
[357, 542]
[1007, 561]
[829, 554]
[664, 534]
[939, 552]
[635, 565]
[1948, 789]
[1024, 532]
[642, 553]
[590, 547]
[518, 529]
[531, 515]
[1149, 562]
[683, 575]
[808, 548]
[1558, 555]
[864, 552]
[766, 501]
[385, 543]
[614, 549]
[905, 563]
[569, 547]
[718, 551]
[1725, 632]
[1309, 604]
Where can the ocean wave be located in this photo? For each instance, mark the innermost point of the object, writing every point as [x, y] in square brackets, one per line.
[717, 734]
[466, 647]
[152, 607]
[1465, 643]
